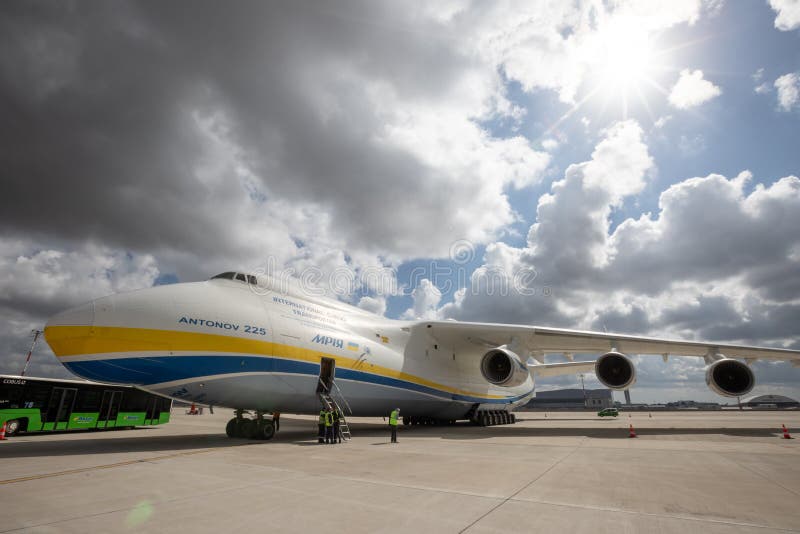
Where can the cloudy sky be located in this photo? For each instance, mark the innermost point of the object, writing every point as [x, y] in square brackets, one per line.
[620, 166]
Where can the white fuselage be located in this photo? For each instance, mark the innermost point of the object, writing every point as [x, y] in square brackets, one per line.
[259, 347]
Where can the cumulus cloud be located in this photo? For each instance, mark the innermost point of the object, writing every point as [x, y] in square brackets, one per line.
[762, 87]
[426, 297]
[553, 44]
[718, 261]
[662, 121]
[37, 281]
[788, 14]
[788, 88]
[692, 90]
[148, 135]
[376, 305]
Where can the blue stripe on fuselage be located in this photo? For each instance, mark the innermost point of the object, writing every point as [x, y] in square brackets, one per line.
[148, 371]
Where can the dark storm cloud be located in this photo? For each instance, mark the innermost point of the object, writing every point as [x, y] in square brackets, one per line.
[101, 104]
[95, 145]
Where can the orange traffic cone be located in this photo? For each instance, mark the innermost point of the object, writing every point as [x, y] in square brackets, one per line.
[3, 431]
[783, 427]
[632, 432]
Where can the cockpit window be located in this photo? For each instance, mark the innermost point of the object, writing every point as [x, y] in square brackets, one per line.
[246, 278]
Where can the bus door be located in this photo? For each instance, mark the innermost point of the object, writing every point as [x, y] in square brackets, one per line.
[153, 413]
[109, 408]
[62, 401]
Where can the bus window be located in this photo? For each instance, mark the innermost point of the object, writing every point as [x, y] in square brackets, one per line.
[11, 396]
[88, 400]
[36, 395]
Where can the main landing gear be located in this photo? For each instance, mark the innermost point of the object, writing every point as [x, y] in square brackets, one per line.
[247, 428]
[493, 417]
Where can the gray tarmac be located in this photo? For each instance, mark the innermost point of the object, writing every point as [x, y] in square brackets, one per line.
[711, 472]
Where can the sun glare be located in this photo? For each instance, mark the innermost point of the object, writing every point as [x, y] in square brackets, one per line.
[623, 63]
[624, 57]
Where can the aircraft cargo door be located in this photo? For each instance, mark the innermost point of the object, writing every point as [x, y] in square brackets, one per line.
[327, 372]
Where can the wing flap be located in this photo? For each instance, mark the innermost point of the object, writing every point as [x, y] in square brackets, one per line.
[558, 369]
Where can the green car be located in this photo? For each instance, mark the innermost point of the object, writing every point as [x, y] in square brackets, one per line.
[608, 412]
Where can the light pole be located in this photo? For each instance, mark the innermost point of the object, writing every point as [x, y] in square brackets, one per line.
[584, 391]
[36, 334]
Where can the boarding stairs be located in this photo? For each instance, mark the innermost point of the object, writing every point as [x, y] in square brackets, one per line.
[331, 404]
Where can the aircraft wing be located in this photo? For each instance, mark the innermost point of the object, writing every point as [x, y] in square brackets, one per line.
[557, 369]
[536, 341]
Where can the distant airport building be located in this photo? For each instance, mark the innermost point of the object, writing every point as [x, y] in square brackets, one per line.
[693, 405]
[770, 401]
[572, 398]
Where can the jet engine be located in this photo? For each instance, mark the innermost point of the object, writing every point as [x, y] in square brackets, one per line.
[502, 367]
[615, 371]
[730, 378]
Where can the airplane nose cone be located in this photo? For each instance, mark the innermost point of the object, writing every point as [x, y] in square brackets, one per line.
[79, 316]
[66, 329]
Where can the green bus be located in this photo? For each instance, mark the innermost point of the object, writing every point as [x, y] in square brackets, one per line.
[44, 404]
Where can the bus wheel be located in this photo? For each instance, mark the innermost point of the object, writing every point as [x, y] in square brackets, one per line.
[231, 427]
[266, 431]
[12, 427]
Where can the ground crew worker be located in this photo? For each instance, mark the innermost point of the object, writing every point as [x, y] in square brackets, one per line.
[276, 420]
[328, 426]
[336, 434]
[321, 431]
[393, 423]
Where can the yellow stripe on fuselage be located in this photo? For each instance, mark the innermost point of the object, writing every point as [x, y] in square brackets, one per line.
[79, 340]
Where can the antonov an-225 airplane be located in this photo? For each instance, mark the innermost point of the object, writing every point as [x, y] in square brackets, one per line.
[242, 342]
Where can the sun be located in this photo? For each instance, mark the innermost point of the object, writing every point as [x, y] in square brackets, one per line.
[623, 57]
[621, 62]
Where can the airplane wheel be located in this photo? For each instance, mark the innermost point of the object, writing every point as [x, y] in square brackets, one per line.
[231, 428]
[513, 418]
[406, 420]
[266, 431]
[484, 419]
[247, 429]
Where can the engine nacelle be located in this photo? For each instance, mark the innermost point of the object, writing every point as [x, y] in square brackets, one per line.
[730, 378]
[504, 368]
[615, 371]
